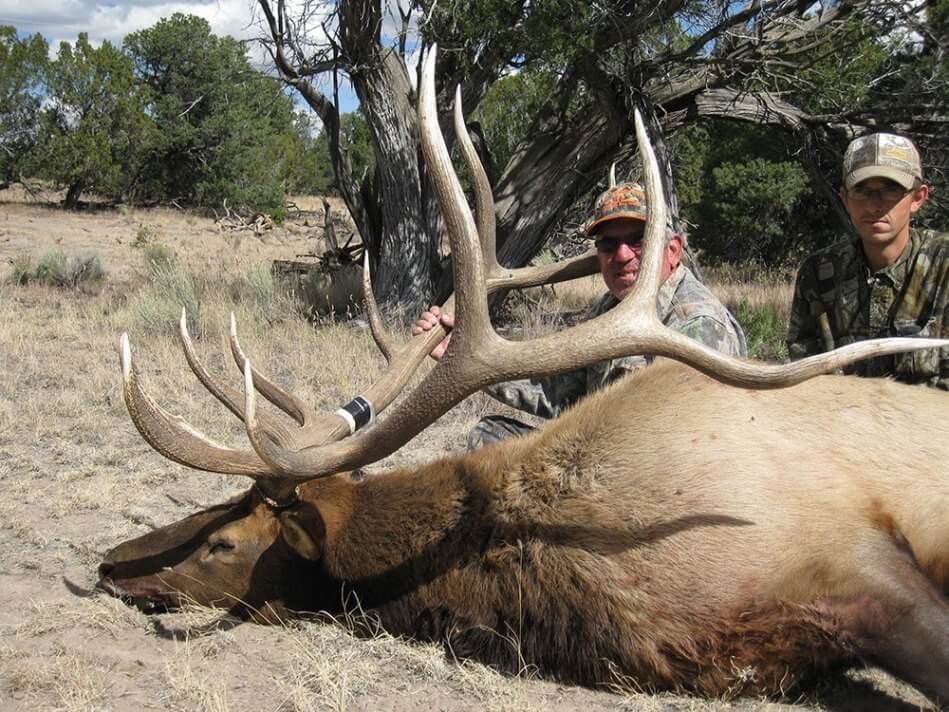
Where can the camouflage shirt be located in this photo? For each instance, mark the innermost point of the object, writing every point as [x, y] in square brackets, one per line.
[683, 304]
[838, 300]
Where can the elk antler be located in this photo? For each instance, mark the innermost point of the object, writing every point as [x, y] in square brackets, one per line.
[176, 439]
[478, 356]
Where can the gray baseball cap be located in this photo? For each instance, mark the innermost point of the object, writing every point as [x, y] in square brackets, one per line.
[882, 155]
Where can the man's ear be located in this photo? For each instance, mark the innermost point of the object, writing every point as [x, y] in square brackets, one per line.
[919, 198]
[303, 530]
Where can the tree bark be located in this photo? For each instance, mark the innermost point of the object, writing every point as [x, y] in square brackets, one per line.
[73, 193]
[404, 247]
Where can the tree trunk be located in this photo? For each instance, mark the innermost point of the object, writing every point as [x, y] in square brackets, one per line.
[406, 251]
[71, 201]
[558, 166]
[404, 247]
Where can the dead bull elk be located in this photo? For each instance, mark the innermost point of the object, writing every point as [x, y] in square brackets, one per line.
[717, 535]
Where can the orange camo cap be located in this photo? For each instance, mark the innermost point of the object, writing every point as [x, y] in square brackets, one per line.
[626, 200]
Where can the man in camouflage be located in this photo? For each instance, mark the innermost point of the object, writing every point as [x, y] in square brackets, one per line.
[683, 303]
[892, 280]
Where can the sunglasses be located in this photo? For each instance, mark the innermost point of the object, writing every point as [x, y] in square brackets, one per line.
[609, 245]
[889, 193]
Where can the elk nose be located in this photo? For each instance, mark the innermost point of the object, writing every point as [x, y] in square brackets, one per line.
[105, 569]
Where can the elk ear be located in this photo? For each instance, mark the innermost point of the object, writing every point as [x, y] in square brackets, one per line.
[304, 531]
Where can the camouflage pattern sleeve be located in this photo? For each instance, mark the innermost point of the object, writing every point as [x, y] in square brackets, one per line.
[544, 397]
[804, 333]
[710, 331]
[943, 381]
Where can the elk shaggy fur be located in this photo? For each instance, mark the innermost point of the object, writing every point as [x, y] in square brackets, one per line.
[669, 530]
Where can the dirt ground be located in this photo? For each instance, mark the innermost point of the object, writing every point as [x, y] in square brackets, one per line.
[77, 479]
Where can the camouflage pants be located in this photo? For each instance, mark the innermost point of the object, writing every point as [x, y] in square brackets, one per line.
[495, 428]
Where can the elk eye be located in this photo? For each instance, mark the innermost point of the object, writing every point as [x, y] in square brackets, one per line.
[219, 546]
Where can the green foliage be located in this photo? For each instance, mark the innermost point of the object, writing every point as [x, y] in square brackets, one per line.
[96, 125]
[765, 331]
[308, 168]
[321, 180]
[920, 79]
[746, 195]
[547, 32]
[225, 132]
[507, 110]
[23, 64]
[57, 269]
[752, 202]
[838, 81]
[315, 175]
[355, 139]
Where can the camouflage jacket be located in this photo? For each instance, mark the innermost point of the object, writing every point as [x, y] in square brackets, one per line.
[838, 300]
[683, 304]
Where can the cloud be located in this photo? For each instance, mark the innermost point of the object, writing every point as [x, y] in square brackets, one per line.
[63, 20]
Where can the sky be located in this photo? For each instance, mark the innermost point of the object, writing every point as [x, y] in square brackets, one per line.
[63, 20]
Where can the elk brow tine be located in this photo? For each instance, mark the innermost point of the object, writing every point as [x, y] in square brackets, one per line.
[230, 397]
[173, 437]
[484, 197]
[376, 326]
[284, 400]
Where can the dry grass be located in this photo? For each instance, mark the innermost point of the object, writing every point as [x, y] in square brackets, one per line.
[77, 479]
[756, 287]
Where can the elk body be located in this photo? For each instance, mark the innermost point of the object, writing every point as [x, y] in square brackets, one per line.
[671, 531]
[682, 533]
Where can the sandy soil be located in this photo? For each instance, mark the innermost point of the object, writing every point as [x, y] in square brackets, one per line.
[77, 479]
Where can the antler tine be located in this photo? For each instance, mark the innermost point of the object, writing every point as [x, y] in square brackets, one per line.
[285, 401]
[641, 301]
[224, 393]
[484, 198]
[376, 326]
[579, 266]
[471, 302]
[612, 178]
[498, 277]
[174, 438]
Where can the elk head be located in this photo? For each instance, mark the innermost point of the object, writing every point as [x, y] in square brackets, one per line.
[262, 552]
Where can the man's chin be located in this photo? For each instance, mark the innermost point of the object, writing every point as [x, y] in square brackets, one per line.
[877, 235]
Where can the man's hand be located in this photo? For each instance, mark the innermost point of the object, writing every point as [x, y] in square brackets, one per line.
[428, 321]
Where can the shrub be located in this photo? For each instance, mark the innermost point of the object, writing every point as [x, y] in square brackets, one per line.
[158, 257]
[279, 214]
[260, 281]
[158, 306]
[764, 331]
[22, 269]
[57, 269]
[144, 235]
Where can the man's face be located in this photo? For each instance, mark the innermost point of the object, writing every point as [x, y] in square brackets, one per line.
[880, 209]
[619, 249]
